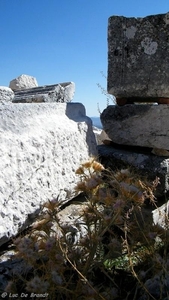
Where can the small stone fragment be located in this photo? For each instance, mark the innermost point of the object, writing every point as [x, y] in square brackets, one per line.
[23, 82]
[6, 94]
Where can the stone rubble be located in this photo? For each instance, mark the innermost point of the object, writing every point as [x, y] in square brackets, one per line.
[43, 144]
[23, 82]
[62, 92]
[6, 94]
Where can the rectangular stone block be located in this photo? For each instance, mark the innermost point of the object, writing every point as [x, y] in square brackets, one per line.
[138, 56]
[137, 125]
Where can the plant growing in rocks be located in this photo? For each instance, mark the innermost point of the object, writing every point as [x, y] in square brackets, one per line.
[112, 251]
[109, 98]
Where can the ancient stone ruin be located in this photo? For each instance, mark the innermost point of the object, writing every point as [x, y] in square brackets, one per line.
[42, 145]
[138, 76]
[44, 137]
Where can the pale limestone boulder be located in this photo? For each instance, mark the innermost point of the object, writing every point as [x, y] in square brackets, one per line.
[69, 90]
[6, 94]
[42, 145]
[138, 125]
[23, 82]
[138, 56]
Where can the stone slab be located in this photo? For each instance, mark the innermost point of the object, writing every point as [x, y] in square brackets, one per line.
[146, 164]
[61, 92]
[42, 145]
[137, 125]
[138, 56]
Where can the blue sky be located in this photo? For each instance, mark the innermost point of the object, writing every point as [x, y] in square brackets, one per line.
[58, 41]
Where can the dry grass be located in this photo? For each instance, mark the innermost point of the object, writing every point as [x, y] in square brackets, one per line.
[110, 253]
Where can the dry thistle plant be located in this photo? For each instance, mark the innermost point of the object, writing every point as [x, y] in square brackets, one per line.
[109, 259]
[109, 98]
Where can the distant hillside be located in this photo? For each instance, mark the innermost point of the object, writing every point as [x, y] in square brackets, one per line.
[96, 122]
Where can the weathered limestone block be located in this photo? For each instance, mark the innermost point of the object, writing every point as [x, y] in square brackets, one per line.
[42, 145]
[145, 163]
[23, 82]
[62, 92]
[137, 125]
[6, 94]
[138, 56]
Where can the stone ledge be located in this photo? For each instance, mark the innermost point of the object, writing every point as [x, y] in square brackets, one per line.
[137, 125]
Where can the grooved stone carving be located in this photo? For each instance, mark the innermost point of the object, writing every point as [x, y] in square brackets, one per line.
[62, 92]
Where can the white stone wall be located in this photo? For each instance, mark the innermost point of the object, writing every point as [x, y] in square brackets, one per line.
[42, 145]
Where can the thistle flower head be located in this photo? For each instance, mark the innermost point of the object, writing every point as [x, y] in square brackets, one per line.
[50, 243]
[97, 167]
[37, 285]
[56, 278]
[92, 182]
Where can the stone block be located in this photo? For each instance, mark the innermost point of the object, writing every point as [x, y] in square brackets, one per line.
[138, 56]
[6, 94]
[61, 92]
[23, 82]
[145, 163]
[137, 125]
[42, 145]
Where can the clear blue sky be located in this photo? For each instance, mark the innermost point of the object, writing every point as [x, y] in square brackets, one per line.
[64, 40]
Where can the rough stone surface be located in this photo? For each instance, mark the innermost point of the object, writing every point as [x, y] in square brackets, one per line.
[143, 162]
[138, 56]
[42, 145]
[23, 82]
[138, 125]
[100, 135]
[6, 94]
[62, 92]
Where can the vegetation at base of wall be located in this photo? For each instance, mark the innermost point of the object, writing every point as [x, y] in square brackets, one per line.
[115, 251]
